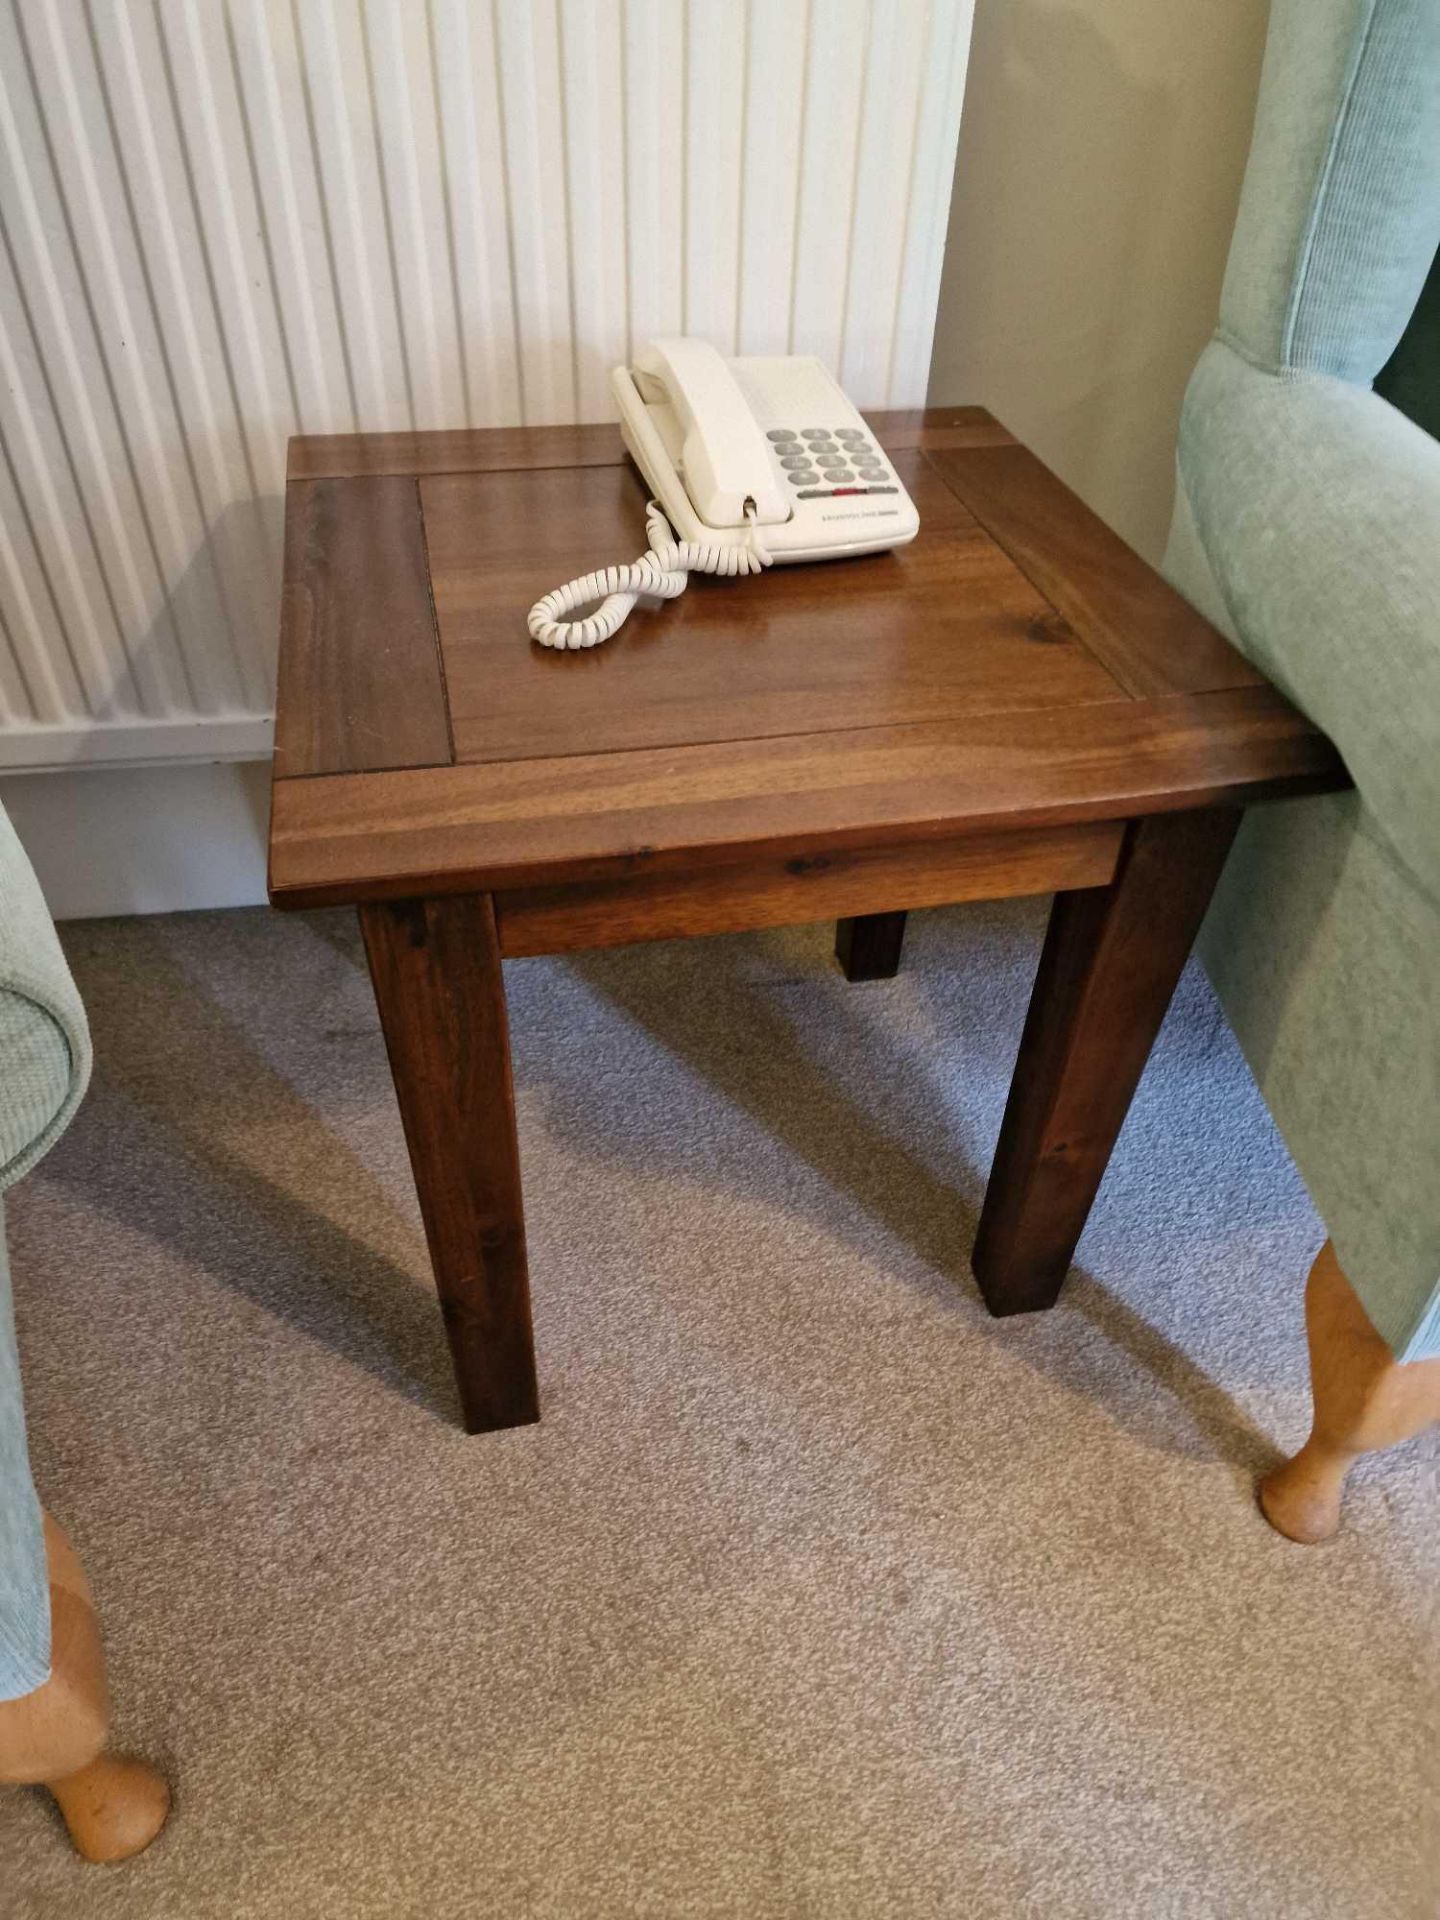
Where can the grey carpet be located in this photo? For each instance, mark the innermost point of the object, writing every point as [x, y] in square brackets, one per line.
[818, 1593]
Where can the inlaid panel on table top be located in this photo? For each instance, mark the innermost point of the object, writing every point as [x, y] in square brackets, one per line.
[946, 626]
[412, 560]
[1017, 669]
[360, 685]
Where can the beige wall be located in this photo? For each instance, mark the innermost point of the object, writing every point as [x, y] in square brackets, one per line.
[1101, 150]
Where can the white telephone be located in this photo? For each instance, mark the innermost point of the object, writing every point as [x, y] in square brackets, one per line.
[751, 462]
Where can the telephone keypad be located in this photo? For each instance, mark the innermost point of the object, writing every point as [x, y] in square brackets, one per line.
[845, 457]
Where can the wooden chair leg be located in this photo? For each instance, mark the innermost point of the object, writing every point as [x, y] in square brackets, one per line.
[1365, 1400]
[55, 1736]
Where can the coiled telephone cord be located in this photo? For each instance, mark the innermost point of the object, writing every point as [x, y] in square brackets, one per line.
[660, 574]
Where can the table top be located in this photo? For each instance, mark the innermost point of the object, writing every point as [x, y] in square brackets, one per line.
[1016, 666]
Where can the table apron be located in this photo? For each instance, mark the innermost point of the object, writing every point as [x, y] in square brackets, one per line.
[786, 890]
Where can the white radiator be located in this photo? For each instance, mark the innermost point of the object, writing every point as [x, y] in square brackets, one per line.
[227, 221]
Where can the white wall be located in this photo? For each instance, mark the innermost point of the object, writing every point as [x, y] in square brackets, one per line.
[144, 839]
[1101, 151]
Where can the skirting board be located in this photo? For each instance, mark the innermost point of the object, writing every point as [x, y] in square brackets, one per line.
[156, 839]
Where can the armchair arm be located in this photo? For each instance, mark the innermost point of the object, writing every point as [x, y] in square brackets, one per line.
[1318, 506]
[44, 1039]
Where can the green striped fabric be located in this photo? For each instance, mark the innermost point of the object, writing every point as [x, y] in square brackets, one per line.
[44, 1067]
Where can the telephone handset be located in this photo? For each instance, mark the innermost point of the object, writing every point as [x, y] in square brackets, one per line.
[682, 412]
[751, 462]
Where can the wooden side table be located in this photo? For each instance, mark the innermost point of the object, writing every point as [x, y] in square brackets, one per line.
[1013, 704]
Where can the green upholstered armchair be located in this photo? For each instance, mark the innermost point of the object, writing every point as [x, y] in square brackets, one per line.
[53, 1704]
[44, 1068]
[1307, 525]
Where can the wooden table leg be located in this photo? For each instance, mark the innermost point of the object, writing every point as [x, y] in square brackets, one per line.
[868, 946]
[1110, 962]
[435, 966]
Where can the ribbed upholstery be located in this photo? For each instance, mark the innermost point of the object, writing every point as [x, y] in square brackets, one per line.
[44, 1068]
[44, 1041]
[24, 1594]
[1339, 219]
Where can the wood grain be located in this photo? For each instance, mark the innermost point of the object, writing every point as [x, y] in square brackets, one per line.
[495, 449]
[453, 450]
[435, 967]
[777, 892]
[946, 625]
[1111, 959]
[589, 817]
[360, 682]
[1152, 640]
[897, 427]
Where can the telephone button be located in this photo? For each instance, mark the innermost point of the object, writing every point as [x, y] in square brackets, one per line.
[781, 433]
[807, 477]
[853, 434]
[814, 433]
[795, 460]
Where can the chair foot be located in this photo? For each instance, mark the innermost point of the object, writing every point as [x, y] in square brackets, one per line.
[113, 1808]
[55, 1736]
[1302, 1498]
[1365, 1401]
